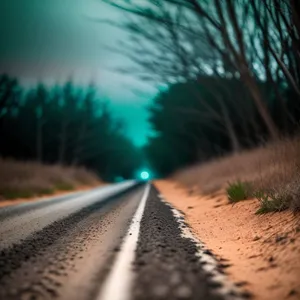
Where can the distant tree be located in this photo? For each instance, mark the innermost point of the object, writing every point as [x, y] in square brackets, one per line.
[70, 125]
[68, 106]
[9, 95]
[42, 97]
[191, 123]
[87, 114]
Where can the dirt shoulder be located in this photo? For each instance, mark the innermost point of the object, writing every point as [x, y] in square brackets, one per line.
[263, 251]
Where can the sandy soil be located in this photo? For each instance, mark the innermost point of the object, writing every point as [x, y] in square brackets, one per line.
[4, 202]
[263, 252]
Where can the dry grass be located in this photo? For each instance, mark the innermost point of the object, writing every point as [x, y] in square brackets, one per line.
[272, 169]
[30, 179]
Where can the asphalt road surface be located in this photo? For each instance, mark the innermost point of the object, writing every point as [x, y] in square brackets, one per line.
[119, 242]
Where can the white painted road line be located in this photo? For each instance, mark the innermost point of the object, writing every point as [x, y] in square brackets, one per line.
[118, 283]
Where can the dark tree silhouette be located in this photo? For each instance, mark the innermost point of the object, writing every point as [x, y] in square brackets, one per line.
[247, 56]
[66, 125]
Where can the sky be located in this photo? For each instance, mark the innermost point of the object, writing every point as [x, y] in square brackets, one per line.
[51, 40]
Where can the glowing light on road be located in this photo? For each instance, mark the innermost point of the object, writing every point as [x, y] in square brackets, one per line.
[145, 175]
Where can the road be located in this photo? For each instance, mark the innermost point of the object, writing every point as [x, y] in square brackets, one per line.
[118, 242]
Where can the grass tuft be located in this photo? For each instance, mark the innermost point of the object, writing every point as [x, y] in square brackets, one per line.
[64, 186]
[293, 194]
[271, 202]
[271, 167]
[13, 194]
[238, 191]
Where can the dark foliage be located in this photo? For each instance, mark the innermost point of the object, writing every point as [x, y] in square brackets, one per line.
[232, 69]
[66, 125]
[199, 120]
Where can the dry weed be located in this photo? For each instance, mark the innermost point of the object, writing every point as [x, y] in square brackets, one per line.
[29, 179]
[274, 167]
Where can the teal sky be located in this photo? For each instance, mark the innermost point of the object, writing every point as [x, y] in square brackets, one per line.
[50, 40]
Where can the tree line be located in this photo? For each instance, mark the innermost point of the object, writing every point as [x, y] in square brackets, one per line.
[230, 71]
[64, 124]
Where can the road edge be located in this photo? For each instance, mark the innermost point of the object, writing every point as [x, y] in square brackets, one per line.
[211, 265]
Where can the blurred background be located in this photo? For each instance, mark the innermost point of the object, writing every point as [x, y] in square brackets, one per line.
[139, 89]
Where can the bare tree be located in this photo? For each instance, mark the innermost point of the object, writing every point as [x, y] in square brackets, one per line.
[278, 43]
[184, 38]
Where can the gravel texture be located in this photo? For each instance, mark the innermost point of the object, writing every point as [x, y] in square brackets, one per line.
[166, 265]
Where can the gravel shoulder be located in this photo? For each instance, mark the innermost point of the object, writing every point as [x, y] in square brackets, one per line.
[170, 264]
[261, 253]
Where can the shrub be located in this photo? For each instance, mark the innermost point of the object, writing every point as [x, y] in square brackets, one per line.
[64, 186]
[31, 179]
[293, 190]
[238, 191]
[272, 202]
[273, 167]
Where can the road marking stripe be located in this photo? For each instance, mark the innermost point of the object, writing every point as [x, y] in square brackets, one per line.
[118, 283]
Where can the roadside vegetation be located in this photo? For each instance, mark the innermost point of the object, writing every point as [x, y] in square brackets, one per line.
[32, 179]
[226, 115]
[230, 105]
[238, 191]
[64, 124]
[59, 138]
[269, 173]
